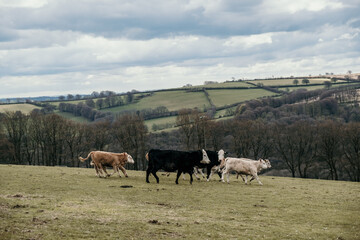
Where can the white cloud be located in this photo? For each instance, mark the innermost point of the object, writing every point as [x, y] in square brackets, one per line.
[289, 6]
[23, 3]
[84, 46]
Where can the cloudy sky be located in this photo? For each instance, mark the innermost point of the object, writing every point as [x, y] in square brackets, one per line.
[57, 47]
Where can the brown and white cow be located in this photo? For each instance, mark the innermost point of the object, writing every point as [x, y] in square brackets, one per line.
[101, 160]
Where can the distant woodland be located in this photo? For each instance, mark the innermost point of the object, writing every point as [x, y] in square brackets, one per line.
[307, 134]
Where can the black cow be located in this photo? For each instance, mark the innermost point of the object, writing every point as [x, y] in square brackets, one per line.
[171, 160]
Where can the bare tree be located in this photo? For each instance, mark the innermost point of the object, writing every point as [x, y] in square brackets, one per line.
[296, 145]
[15, 124]
[185, 123]
[329, 144]
[351, 148]
[130, 132]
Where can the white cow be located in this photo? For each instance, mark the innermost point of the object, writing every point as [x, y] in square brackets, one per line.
[244, 166]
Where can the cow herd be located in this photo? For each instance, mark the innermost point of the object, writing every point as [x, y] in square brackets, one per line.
[182, 162]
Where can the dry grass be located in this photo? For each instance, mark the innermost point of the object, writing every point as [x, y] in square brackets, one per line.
[24, 108]
[71, 203]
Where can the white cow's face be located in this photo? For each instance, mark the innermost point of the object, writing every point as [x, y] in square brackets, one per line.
[268, 163]
[205, 158]
[263, 164]
[130, 159]
[221, 155]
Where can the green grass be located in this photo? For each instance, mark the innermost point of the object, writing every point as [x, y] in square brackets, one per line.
[72, 117]
[24, 108]
[225, 85]
[173, 100]
[227, 97]
[160, 121]
[72, 203]
[279, 82]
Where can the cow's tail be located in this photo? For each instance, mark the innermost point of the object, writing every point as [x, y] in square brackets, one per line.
[84, 159]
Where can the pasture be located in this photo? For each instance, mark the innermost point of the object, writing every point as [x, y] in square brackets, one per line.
[227, 97]
[173, 100]
[24, 108]
[72, 203]
[225, 85]
[279, 82]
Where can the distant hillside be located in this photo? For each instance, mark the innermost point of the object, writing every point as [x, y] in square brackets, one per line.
[159, 107]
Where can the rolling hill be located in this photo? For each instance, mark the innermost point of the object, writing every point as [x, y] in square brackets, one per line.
[216, 96]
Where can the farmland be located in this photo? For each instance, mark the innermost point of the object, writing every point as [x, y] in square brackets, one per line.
[173, 100]
[227, 97]
[221, 96]
[68, 203]
[279, 82]
[25, 108]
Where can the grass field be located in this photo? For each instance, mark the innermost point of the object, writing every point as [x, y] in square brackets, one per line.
[164, 120]
[72, 203]
[279, 82]
[173, 100]
[225, 85]
[72, 117]
[24, 108]
[227, 97]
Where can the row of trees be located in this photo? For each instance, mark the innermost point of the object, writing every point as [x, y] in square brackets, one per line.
[307, 148]
[49, 139]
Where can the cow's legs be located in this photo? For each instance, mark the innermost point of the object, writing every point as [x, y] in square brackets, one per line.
[242, 177]
[115, 170]
[227, 175]
[201, 172]
[104, 169]
[191, 177]
[154, 173]
[97, 171]
[177, 176]
[257, 178]
[148, 171]
[211, 171]
[195, 173]
[123, 170]
[101, 170]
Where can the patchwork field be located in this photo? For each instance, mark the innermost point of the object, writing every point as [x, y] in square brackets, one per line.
[72, 203]
[25, 108]
[173, 100]
[227, 97]
[279, 82]
[225, 85]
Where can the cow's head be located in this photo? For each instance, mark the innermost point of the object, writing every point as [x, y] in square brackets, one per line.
[268, 163]
[221, 155]
[263, 164]
[129, 158]
[205, 159]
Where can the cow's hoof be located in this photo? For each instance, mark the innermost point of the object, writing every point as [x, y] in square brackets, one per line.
[126, 176]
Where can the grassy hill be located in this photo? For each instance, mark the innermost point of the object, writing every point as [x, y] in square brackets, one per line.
[25, 108]
[220, 95]
[72, 203]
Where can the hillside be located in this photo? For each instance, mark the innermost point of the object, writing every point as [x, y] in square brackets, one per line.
[219, 97]
[72, 203]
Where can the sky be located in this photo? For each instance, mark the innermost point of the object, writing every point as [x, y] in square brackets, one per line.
[60, 47]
